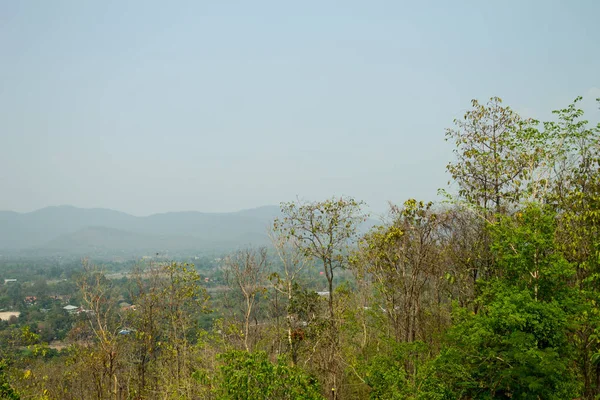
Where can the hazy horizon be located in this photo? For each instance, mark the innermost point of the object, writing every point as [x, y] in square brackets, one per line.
[148, 107]
[141, 215]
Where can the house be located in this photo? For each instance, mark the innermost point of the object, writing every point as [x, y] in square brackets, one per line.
[9, 281]
[127, 307]
[30, 300]
[71, 309]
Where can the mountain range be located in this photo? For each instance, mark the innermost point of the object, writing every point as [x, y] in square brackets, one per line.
[72, 230]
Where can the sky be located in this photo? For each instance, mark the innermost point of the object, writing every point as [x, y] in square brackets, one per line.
[154, 106]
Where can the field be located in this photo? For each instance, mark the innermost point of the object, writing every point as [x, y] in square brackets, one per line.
[5, 315]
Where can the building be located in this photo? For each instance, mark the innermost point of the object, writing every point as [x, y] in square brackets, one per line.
[127, 307]
[71, 309]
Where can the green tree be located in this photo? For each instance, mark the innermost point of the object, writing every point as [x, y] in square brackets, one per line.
[517, 345]
[515, 348]
[528, 256]
[386, 372]
[6, 390]
[576, 197]
[251, 376]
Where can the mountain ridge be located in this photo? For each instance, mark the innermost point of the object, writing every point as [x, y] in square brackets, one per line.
[72, 207]
[65, 228]
[70, 230]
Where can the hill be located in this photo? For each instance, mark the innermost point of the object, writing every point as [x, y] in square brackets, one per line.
[67, 229]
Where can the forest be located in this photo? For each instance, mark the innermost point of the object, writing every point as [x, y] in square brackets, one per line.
[492, 292]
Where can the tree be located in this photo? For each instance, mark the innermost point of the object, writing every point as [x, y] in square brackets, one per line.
[245, 270]
[575, 152]
[498, 157]
[294, 262]
[576, 198]
[517, 345]
[516, 348]
[464, 253]
[404, 261]
[168, 302]
[141, 351]
[324, 231]
[100, 299]
[527, 255]
[252, 376]
[386, 373]
[497, 151]
[6, 390]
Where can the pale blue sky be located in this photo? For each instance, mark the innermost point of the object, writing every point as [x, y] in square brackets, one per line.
[146, 106]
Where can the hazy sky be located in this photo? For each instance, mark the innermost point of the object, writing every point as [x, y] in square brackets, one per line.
[147, 106]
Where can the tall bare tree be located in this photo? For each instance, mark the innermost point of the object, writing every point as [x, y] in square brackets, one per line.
[245, 271]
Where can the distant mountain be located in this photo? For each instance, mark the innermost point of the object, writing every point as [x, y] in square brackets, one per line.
[77, 230]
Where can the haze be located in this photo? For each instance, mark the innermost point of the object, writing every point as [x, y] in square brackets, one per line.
[146, 106]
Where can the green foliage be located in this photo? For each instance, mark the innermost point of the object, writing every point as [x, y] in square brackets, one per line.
[387, 379]
[515, 348]
[6, 390]
[386, 373]
[576, 197]
[526, 253]
[252, 376]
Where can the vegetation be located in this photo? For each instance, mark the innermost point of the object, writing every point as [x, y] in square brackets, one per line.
[492, 294]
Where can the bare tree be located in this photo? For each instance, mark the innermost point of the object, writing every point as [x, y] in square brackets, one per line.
[245, 270]
[293, 262]
[99, 300]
